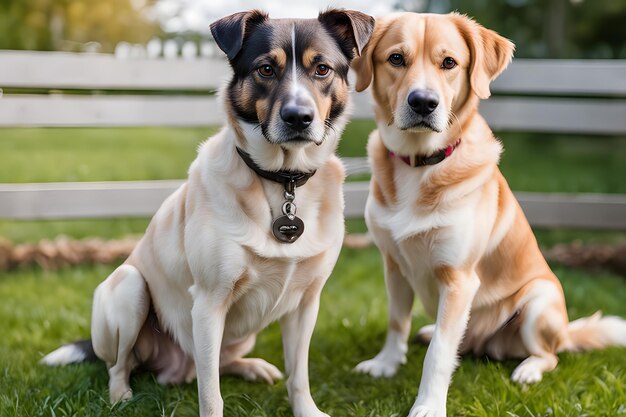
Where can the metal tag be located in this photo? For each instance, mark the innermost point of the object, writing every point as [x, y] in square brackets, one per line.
[288, 228]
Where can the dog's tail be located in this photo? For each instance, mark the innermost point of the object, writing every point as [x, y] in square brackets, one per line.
[76, 352]
[596, 332]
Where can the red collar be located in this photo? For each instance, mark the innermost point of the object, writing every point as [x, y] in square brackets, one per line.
[423, 160]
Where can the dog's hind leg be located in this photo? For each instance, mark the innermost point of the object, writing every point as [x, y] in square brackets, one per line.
[252, 369]
[543, 331]
[120, 308]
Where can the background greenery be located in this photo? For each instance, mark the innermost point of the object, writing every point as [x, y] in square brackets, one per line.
[68, 25]
[540, 28]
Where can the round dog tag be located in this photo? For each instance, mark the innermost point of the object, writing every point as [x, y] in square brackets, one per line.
[288, 228]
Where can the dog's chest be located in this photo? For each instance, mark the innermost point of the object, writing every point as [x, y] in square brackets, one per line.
[270, 289]
[421, 242]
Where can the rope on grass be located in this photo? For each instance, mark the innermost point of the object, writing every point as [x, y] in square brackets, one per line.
[62, 251]
[577, 255]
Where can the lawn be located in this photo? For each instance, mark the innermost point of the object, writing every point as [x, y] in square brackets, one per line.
[40, 310]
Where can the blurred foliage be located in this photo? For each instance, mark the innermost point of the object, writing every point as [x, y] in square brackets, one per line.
[70, 24]
[539, 28]
[554, 28]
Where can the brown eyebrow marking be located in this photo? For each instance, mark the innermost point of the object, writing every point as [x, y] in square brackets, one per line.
[309, 57]
[279, 56]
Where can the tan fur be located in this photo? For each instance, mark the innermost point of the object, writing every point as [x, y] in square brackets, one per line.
[382, 185]
[262, 109]
[308, 58]
[455, 229]
[279, 55]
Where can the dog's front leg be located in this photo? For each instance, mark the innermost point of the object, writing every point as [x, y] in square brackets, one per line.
[457, 290]
[393, 353]
[208, 315]
[297, 329]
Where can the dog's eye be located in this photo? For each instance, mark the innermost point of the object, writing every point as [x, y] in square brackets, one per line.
[448, 63]
[322, 70]
[266, 71]
[396, 60]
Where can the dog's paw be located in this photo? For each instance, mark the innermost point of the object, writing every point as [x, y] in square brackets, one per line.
[307, 408]
[425, 411]
[380, 367]
[253, 369]
[528, 372]
[120, 393]
[314, 412]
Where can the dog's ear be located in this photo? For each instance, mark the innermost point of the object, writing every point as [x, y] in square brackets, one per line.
[229, 31]
[351, 28]
[363, 65]
[490, 54]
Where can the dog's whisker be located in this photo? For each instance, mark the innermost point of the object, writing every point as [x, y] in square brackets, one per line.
[458, 122]
[392, 118]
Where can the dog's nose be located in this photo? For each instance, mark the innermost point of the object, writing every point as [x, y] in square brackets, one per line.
[297, 116]
[423, 102]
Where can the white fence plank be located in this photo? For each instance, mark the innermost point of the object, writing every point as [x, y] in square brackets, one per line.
[356, 165]
[142, 198]
[61, 70]
[578, 116]
[67, 200]
[566, 77]
[593, 211]
[72, 110]
[593, 116]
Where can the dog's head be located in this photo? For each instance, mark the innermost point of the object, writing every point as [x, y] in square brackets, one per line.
[289, 92]
[426, 70]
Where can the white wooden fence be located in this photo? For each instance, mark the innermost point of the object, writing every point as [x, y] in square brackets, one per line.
[99, 90]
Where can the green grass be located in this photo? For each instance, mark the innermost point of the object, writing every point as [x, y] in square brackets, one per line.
[93, 154]
[40, 310]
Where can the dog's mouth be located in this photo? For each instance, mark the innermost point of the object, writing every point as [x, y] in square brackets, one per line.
[422, 126]
[299, 142]
[291, 140]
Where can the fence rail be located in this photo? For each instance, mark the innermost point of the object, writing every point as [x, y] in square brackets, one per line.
[69, 200]
[62, 89]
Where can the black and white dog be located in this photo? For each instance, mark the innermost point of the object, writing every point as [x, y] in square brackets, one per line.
[226, 254]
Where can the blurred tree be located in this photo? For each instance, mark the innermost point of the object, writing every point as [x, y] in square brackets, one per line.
[547, 28]
[70, 24]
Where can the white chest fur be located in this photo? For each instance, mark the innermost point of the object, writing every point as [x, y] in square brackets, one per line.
[420, 240]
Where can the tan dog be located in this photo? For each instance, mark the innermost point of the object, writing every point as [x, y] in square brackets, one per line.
[227, 253]
[444, 218]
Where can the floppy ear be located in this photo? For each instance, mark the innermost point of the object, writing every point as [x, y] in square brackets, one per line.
[351, 28]
[363, 65]
[229, 31]
[490, 55]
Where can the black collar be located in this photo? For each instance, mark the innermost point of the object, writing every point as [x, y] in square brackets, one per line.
[281, 177]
